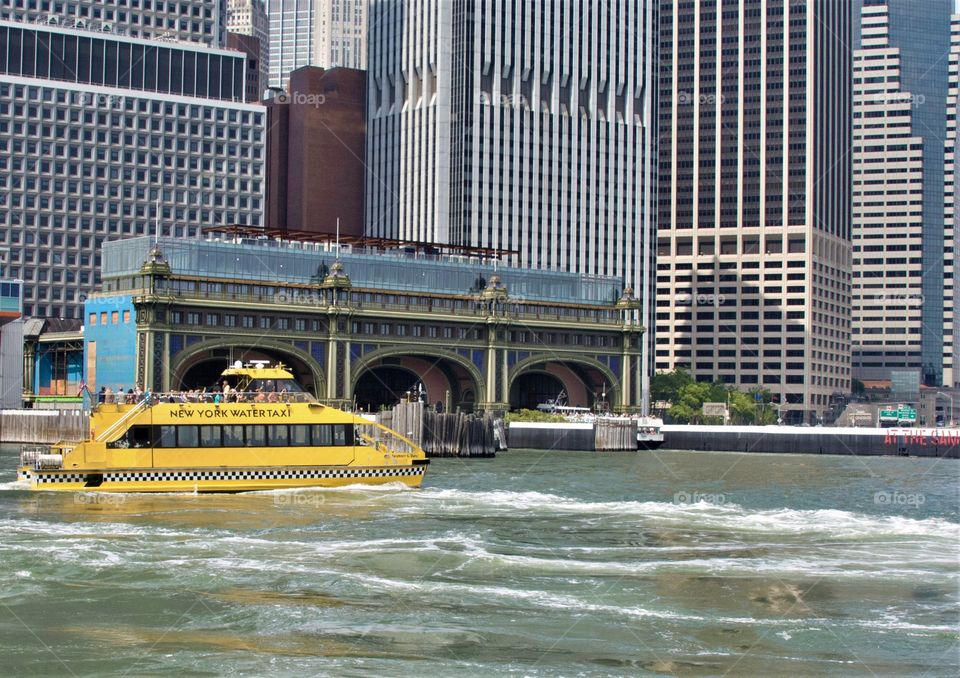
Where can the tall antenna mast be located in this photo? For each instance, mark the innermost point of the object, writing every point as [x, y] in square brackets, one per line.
[156, 228]
[338, 238]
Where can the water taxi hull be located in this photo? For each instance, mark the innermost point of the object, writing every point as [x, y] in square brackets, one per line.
[234, 479]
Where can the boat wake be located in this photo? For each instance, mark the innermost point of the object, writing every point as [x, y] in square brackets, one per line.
[832, 523]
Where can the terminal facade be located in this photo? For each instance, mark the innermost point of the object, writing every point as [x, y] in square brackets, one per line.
[361, 325]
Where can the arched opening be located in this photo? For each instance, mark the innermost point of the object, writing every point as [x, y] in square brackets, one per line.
[203, 369]
[384, 385]
[583, 384]
[447, 384]
[202, 374]
[531, 389]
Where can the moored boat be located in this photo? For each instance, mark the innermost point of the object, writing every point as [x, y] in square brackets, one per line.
[649, 433]
[260, 432]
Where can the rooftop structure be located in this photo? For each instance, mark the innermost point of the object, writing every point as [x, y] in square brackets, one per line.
[371, 265]
[200, 21]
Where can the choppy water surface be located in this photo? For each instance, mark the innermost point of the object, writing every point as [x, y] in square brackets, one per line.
[535, 563]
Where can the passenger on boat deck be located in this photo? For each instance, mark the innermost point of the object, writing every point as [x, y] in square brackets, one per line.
[261, 396]
[226, 392]
[272, 397]
[131, 398]
[108, 395]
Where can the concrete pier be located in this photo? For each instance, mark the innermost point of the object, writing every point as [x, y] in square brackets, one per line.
[906, 442]
[913, 442]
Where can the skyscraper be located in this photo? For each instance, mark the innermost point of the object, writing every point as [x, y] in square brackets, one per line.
[916, 37]
[887, 209]
[341, 34]
[249, 17]
[753, 239]
[527, 127]
[292, 25]
[951, 216]
[325, 33]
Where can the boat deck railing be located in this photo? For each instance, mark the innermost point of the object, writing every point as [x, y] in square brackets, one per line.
[378, 435]
[207, 397]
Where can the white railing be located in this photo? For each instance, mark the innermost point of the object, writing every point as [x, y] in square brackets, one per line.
[110, 430]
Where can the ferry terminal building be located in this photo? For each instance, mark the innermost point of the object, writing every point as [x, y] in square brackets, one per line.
[360, 323]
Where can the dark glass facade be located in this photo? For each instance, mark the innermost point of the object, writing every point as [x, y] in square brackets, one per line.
[35, 52]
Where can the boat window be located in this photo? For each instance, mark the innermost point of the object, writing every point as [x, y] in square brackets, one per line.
[256, 435]
[322, 434]
[277, 435]
[140, 436]
[288, 385]
[300, 435]
[188, 436]
[167, 436]
[233, 436]
[210, 436]
[340, 434]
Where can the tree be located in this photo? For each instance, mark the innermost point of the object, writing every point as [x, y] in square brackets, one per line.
[743, 408]
[667, 385]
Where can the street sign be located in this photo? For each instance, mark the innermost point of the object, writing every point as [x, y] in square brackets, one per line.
[715, 410]
[902, 413]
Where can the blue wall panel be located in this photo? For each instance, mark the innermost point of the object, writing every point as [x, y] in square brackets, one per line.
[115, 335]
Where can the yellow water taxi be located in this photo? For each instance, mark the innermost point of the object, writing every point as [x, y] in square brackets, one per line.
[259, 431]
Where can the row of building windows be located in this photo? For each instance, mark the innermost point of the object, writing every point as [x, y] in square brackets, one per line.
[113, 104]
[111, 317]
[33, 51]
[211, 319]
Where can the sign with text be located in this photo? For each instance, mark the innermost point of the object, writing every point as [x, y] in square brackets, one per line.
[715, 410]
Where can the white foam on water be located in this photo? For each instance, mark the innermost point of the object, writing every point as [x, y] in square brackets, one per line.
[427, 590]
[17, 485]
[743, 567]
[704, 515]
[389, 488]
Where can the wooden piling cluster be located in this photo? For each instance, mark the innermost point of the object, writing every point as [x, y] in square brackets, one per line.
[443, 435]
[610, 433]
[43, 426]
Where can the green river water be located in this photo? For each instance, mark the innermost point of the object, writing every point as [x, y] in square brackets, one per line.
[531, 564]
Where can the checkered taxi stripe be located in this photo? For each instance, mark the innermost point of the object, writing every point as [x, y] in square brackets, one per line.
[251, 474]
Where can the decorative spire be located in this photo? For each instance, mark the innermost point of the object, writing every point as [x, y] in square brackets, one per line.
[495, 289]
[155, 263]
[627, 300]
[337, 278]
